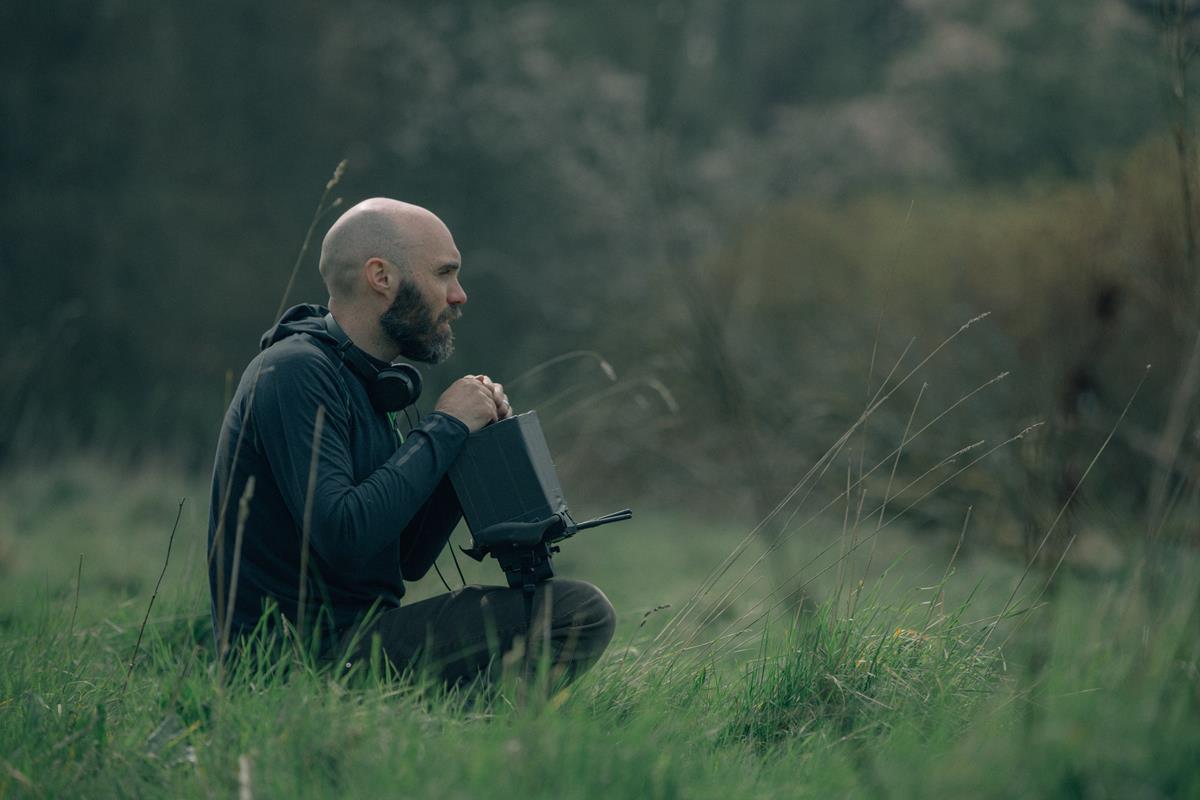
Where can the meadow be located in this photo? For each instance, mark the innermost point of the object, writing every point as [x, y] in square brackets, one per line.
[916, 667]
[954, 597]
[700, 237]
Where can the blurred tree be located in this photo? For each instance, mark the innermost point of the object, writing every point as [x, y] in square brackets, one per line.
[160, 162]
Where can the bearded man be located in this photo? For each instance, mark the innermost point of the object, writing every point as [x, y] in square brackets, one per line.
[320, 509]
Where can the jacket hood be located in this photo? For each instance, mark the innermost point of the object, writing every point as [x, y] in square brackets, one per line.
[305, 318]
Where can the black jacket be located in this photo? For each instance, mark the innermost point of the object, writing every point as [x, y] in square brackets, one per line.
[379, 511]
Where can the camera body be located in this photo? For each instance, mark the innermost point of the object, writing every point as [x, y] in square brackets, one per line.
[512, 500]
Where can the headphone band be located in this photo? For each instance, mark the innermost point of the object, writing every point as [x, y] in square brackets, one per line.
[349, 353]
[390, 388]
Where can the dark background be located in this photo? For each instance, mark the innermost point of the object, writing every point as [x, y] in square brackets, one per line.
[747, 209]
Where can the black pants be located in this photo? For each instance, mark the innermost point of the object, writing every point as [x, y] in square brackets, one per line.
[468, 633]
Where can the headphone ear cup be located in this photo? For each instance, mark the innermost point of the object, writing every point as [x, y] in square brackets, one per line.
[396, 387]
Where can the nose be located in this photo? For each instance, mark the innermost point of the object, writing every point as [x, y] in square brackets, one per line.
[457, 295]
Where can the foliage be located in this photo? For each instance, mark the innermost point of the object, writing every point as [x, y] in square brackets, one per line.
[877, 691]
[171, 157]
[841, 678]
[745, 224]
[817, 307]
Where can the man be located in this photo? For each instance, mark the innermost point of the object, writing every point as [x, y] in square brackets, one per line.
[320, 510]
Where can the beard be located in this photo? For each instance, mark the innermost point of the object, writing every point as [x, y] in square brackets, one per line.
[418, 336]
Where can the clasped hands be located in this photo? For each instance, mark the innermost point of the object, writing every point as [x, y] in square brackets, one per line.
[475, 400]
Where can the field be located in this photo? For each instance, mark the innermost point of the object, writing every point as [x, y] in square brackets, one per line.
[884, 317]
[908, 673]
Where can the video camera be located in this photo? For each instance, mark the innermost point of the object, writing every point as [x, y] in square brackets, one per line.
[513, 502]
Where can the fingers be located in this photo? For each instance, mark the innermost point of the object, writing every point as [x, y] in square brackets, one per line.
[503, 408]
[486, 394]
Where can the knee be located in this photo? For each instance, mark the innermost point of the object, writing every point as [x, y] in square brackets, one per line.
[583, 608]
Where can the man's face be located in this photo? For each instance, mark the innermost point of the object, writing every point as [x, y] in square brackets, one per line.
[427, 299]
[418, 331]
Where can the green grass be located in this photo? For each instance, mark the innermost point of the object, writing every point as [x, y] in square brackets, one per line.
[895, 682]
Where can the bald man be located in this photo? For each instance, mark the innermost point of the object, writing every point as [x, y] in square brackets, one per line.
[321, 509]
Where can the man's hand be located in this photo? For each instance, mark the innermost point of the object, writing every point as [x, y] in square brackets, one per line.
[470, 402]
[503, 409]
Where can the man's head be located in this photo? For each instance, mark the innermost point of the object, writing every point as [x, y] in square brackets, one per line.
[391, 269]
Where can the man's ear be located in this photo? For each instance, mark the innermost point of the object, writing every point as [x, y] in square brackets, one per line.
[378, 275]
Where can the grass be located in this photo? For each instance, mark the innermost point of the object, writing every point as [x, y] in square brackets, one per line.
[900, 682]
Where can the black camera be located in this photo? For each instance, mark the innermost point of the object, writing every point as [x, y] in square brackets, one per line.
[513, 502]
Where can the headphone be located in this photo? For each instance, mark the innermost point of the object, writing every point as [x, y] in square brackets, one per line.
[391, 388]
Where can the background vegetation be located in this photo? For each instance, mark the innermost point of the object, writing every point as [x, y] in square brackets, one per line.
[827, 280]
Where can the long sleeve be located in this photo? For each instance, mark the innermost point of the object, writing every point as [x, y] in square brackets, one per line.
[352, 521]
[428, 533]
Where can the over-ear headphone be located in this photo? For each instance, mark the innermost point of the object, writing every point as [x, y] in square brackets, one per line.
[391, 388]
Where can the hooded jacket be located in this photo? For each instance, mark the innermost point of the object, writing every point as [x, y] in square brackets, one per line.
[378, 511]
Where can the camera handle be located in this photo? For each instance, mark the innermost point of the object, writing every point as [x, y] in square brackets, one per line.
[616, 516]
[524, 548]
